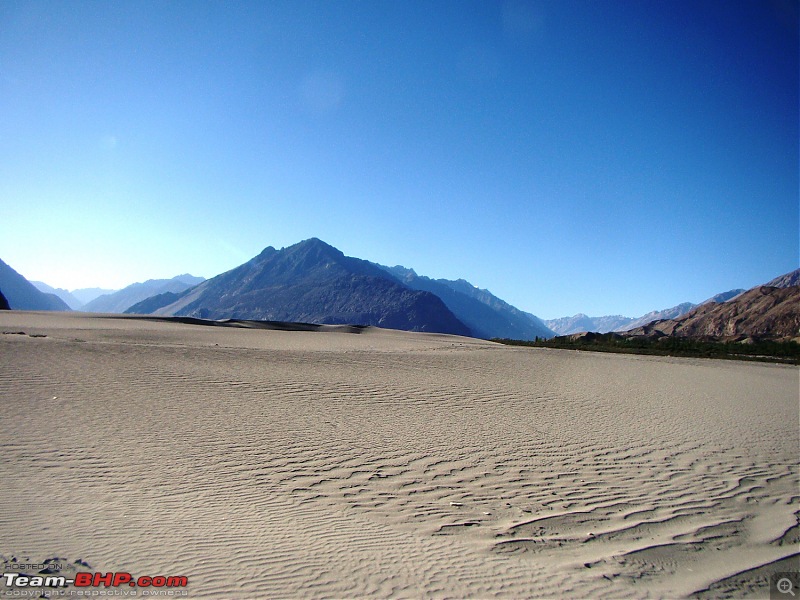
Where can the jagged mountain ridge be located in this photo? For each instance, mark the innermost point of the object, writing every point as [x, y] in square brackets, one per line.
[485, 314]
[657, 315]
[582, 322]
[310, 282]
[497, 304]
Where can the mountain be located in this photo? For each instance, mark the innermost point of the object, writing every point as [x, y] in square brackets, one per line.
[123, 299]
[764, 312]
[724, 296]
[86, 295]
[498, 305]
[310, 282]
[21, 294]
[3, 302]
[580, 322]
[152, 304]
[485, 314]
[789, 280]
[657, 315]
[68, 298]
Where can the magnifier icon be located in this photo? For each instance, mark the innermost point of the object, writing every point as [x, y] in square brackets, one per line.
[785, 586]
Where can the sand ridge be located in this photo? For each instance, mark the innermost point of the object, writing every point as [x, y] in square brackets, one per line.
[274, 463]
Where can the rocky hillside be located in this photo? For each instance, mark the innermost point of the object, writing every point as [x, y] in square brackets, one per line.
[788, 280]
[764, 312]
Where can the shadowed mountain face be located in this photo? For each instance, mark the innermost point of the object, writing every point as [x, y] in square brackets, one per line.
[310, 282]
[68, 298]
[21, 294]
[485, 314]
[123, 299]
[3, 302]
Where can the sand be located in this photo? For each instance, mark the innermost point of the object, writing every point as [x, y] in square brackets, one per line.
[366, 463]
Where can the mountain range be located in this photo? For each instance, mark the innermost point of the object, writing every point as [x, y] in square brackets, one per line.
[314, 282]
[310, 282]
[606, 324]
[761, 313]
[86, 295]
[769, 312]
[65, 295]
[21, 294]
[485, 314]
[122, 300]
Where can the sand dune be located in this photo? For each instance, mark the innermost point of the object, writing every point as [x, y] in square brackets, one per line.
[360, 462]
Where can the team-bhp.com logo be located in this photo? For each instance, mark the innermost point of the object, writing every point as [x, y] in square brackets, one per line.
[82, 579]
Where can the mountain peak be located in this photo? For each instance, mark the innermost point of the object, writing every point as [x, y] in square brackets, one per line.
[312, 242]
[314, 247]
[311, 282]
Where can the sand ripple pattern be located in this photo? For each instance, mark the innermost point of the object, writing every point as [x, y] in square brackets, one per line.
[263, 465]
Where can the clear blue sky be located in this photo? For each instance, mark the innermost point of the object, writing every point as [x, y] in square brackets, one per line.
[595, 156]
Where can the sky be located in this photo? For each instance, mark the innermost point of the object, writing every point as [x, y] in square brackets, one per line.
[603, 157]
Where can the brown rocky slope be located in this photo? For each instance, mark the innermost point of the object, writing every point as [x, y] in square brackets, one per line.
[763, 313]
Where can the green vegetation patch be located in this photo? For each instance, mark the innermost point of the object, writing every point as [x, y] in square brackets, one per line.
[761, 350]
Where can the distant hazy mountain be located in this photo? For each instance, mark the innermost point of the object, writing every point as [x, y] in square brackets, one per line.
[789, 280]
[122, 300]
[581, 322]
[86, 295]
[656, 315]
[21, 294]
[310, 282]
[485, 314]
[68, 298]
[763, 312]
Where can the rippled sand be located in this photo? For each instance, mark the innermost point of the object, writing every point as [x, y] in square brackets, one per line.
[291, 464]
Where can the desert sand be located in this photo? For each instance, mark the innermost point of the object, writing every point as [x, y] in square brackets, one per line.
[367, 463]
